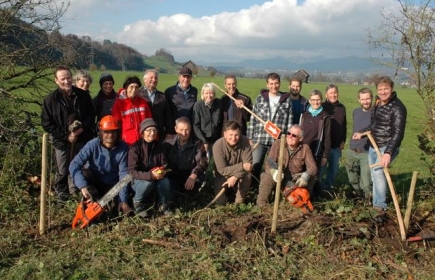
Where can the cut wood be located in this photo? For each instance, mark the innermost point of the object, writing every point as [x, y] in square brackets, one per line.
[410, 201]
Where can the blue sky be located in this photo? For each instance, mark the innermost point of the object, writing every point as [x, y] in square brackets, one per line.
[230, 30]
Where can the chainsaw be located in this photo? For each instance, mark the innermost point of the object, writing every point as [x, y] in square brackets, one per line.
[299, 197]
[88, 211]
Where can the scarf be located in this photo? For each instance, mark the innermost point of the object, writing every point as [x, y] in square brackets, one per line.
[313, 112]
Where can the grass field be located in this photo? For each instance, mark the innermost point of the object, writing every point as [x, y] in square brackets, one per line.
[339, 240]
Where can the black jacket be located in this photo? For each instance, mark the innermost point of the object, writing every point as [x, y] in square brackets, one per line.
[241, 116]
[207, 122]
[388, 124]
[193, 161]
[144, 156]
[161, 112]
[181, 106]
[55, 119]
[337, 111]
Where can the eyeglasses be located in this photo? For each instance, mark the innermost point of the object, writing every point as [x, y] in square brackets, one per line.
[151, 130]
[292, 135]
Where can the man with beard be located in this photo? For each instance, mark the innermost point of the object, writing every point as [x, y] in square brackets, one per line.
[62, 108]
[299, 103]
[357, 161]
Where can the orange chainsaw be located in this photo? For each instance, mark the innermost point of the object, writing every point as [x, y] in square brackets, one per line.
[299, 197]
[88, 211]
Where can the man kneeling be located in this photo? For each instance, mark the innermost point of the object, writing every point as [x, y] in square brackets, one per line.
[233, 159]
[299, 167]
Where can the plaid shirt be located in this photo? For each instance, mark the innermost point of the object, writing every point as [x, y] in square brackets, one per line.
[283, 117]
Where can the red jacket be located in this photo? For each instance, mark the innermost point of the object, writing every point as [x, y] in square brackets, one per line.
[130, 112]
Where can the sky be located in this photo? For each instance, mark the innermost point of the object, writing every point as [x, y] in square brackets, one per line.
[210, 32]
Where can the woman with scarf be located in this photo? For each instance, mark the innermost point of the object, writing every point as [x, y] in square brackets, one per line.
[207, 117]
[316, 124]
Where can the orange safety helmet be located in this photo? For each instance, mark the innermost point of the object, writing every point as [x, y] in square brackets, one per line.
[108, 123]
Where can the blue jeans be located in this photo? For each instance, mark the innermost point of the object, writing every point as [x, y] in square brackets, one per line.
[331, 168]
[258, 156]
[142, 188]
[378, 177]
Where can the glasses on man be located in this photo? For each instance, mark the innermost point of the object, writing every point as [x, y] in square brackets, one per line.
[292, 135]
[154, 130]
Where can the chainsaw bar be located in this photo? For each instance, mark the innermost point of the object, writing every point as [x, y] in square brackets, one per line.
[114, 190]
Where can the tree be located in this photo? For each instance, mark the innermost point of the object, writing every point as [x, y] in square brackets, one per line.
[408, 38]
[31, 47]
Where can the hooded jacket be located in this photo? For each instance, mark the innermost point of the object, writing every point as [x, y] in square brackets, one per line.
[130, 112]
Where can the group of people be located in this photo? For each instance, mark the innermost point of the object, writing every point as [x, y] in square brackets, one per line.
[166, 140]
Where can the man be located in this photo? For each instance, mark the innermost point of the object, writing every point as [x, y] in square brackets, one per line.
[60, 110]
[299, 103]
[299, 166]
[186, 157]
[233, 162]
[271, 105]
[337, 111]
[157, 101]
[146, 162]
[106, 97]
[388, 128]
[102, 163]
[182, 96]
[233, 110]
[357, 165]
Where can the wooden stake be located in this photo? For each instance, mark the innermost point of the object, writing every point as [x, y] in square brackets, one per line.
[278, 184]
[410, 201]
[391, 186]
[43, 183]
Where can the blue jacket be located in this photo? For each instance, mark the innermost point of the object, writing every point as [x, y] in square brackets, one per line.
[107, 167]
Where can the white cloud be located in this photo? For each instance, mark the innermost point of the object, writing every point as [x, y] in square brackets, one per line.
[329, 28]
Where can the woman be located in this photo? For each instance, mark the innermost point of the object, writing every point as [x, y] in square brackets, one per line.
[207, 117]
[130, 110]
[106, 97]
[317, 130]
[143, 158]
[82, 79]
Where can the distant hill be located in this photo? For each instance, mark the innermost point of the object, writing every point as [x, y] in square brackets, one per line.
[343, 64]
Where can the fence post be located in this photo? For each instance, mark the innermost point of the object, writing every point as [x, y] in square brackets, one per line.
[42, 213]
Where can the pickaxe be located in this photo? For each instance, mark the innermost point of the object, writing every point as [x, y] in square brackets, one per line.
[269, 126]
[390, 185]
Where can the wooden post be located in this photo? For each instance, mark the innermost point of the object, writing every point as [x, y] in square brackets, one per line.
[391, 187]
[410, 201]
[43, 183]
[278, 184]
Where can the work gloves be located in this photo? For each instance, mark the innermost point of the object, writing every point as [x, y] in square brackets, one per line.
[303, 180]
[274, 174]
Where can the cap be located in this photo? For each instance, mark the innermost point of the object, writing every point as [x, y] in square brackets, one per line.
[185, 71]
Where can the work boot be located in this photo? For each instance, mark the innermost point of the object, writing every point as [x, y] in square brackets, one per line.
[166, 209]
[140, 210]
[379, 215]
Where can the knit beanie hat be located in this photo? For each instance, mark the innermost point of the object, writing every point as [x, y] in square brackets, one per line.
[146, 123]
[106, 77]
[131, 80]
